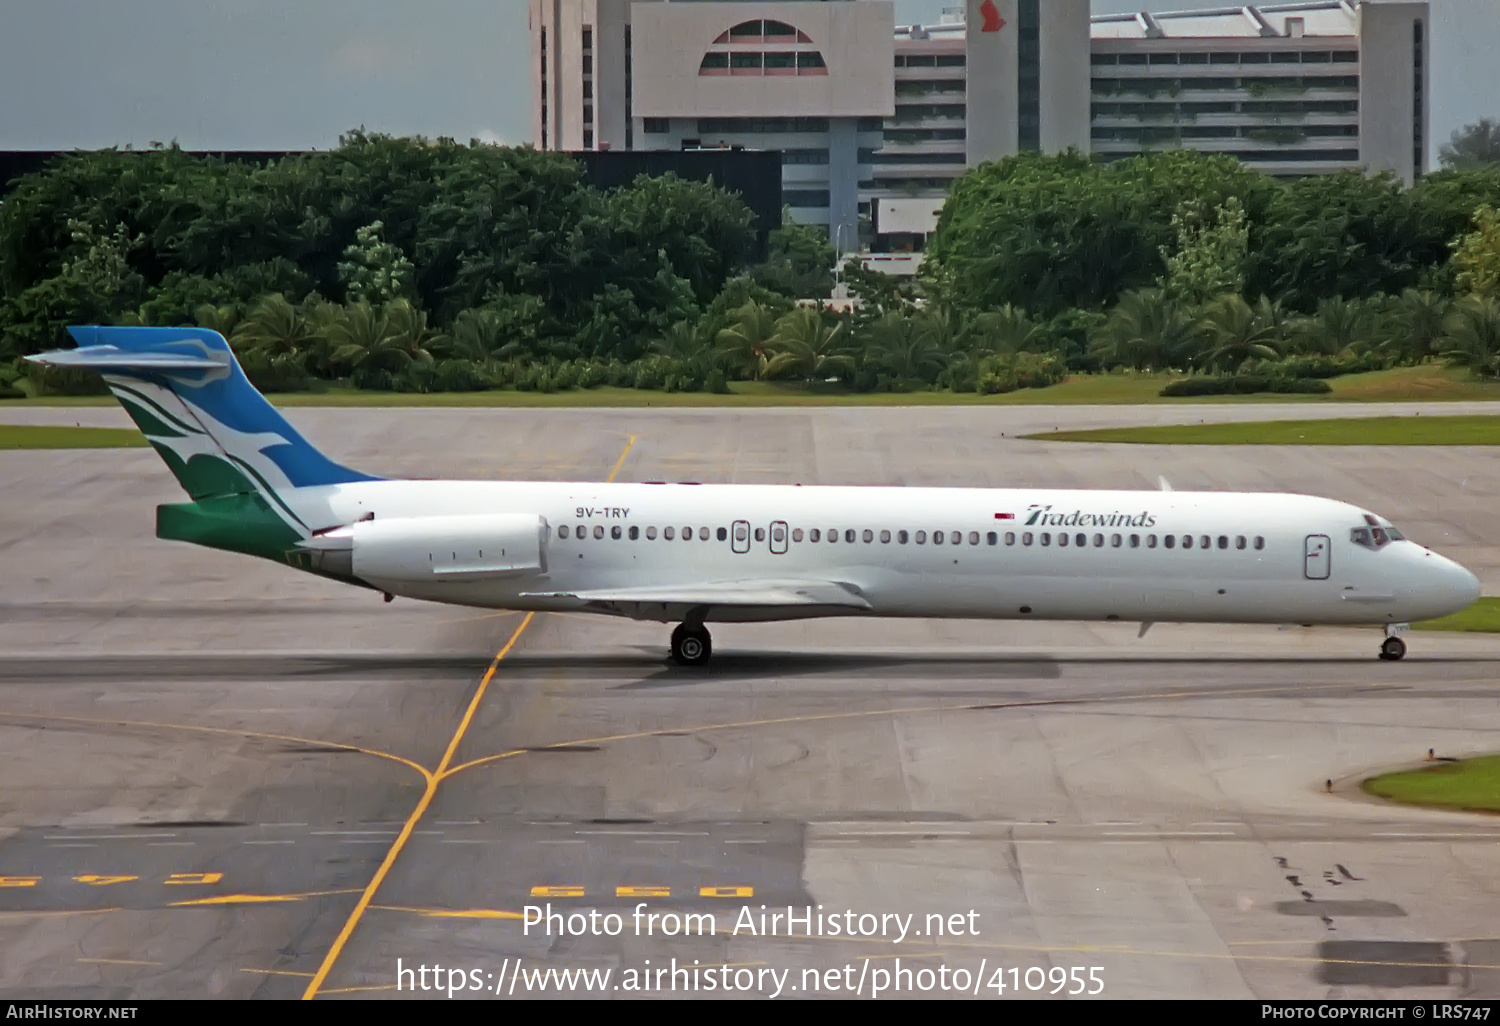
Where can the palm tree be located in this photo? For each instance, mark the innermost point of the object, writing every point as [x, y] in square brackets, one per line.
[276, 332]
[746, 344]
[906, 354]
[476, 335]
[1148, 331]
[1339, 326]
[681, 343]
[1471, 335]
[1003, 331]
[1415, 324]
[808, 348]
[1236, 331]
[217, 318]
[375, 345]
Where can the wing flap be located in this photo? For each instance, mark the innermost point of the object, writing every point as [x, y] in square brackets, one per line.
[760, 593]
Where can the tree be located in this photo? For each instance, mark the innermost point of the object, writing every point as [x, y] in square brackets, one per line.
[808, 348]
[376, 344]
[1476, 255]
[800, 261]
[1415, 325]
[1003, 331]
[374, 271]
[1339, 326]
[902, 352]
[1471, 146]
[1147, 331]
[1210, 256]
[1471, 336]
[745, 346]
[1236, 331]
[1054, 232]
[275, 331]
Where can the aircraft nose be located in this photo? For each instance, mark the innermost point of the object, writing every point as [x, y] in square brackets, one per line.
[1456, 584]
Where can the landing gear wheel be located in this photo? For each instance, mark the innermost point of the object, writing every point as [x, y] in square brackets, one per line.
[691, 645]
[1392, 648]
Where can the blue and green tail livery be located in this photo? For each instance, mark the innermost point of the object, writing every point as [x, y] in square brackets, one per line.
[233, 453]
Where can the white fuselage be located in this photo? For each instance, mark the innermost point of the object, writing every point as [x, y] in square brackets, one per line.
[1005, 553]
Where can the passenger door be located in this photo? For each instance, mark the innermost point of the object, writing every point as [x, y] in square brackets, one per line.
[778, 537]
[1316, 557]
[739, 536]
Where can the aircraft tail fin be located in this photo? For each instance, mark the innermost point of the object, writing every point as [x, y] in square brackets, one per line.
[186, 392]
[231, 451]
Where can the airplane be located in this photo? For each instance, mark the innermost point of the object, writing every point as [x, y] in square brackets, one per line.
[694, 554]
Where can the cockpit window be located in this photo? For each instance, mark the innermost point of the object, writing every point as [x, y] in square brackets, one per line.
[1375, 536]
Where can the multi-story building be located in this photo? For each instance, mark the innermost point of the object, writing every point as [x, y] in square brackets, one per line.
[864, 110]
[1291, 89]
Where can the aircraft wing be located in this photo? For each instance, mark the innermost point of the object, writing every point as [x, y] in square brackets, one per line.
[757, 593]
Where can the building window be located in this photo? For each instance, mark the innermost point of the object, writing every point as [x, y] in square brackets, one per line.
[544, 87]
[656, 126]
[629, 113]
[805, 197]
[1029, 75]
[1418, 128]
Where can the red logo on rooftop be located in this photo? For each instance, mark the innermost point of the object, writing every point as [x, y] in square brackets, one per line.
[991, 15]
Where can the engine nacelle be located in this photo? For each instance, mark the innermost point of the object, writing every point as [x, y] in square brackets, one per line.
[440, 548]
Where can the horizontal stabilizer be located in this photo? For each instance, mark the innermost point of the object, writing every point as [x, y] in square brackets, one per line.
[107, 358]
[762, 593]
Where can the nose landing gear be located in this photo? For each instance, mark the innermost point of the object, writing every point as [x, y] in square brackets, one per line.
[691, 645]
[1393, 648]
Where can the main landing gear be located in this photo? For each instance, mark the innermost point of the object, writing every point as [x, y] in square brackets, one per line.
[691, 645]
[1392, 647]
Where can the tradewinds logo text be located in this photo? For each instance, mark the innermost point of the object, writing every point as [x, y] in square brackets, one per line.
[1042, 516]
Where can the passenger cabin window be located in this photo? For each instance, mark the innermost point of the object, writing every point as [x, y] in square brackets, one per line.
[1080, 540]
[562, 532]
[833, 535]
[1187, 541]
[760, 534]
[1135, 541]
[1223, 541]
[668, 533]
[921, 538]
[814, 535]
[1099, 541]
[1115, 540]
[1169, 540]
[901, 537]
[723, 534]
[615, 532]
[796, 534]
[651, 534]
[687, 534]
[1047, 538]
[599, 532]
[849, 536]
[1062, 539]
[1026, 538]
[703, 534]
[868, 536]
[1205, 542]
[991, 538]
[1239, 541]
[885, 537]
[1260, 543]
[1010, 537]
[957, 538]
[937, 537]
[635, 532]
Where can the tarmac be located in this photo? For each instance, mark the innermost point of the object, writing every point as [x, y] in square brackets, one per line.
[213, 766]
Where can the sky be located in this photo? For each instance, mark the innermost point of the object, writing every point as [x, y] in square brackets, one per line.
[294, 74]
